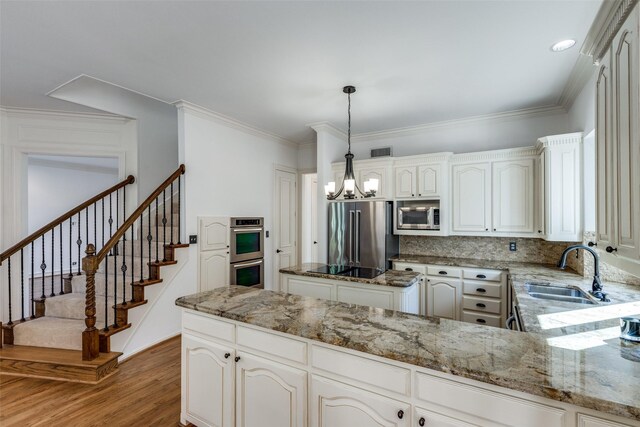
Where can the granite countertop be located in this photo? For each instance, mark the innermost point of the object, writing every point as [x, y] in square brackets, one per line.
[526, 362]
[394, 278]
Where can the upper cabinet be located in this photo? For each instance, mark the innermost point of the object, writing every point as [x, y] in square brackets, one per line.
[421, 177]
[405, 178]
[618, 147]
[429, 180]
[364, 170]
[495, 196]
[560, 185]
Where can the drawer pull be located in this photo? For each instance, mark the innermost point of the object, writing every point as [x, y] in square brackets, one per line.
[481, 321]
[481, 276]
[237, 359]
[401, 414]
[421, 421]
[442, 272]
[481, 305]
[481, 290]
[408, 269]
[226, 355]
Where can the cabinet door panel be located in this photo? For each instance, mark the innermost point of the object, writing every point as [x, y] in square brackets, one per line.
[604, 161]
[375, 173]
[626, 131]
[433, 419]
[214, 270]
[207, 383]
[337, 405]
[214, 233]
[513, 196]
[269, 394]
[370, 297]
[429, 177]
[405, 183]
[444, 298]
[471, 197]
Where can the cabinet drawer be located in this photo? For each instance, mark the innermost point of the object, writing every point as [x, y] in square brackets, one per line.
[485, 305]
[361, 369]
[409, 266]
[208, 326]
[484, 289]
[481, 403]
[434, 270]
[481, 318]
[276, 345]
[478, 274]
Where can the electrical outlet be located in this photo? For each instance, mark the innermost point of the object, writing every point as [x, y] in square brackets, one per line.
[512, 246]
[193, 239]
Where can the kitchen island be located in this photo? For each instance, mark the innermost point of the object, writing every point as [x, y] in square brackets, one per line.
[394, 290]
[256, 357]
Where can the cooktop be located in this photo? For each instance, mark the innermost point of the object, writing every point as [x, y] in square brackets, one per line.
[346, 270]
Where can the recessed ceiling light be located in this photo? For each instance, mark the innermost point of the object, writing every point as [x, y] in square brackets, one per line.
[563, 45]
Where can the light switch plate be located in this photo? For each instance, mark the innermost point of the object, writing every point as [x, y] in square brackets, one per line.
[193, 239]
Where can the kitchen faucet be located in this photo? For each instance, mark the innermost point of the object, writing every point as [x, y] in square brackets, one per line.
[596, 286]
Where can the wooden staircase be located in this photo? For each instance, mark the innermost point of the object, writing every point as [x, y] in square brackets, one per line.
[67, 335]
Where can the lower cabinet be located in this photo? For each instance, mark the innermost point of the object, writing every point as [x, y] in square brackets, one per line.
[269, 394]
[444, 298]
[337, 405]
[207, 383]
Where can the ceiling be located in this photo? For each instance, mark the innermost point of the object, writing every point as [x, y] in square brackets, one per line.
[281, 65]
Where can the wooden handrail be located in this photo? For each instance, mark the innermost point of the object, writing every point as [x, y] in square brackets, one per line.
[113, 241]
[36, 234]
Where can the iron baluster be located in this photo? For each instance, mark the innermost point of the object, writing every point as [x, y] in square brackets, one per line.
[132, 255]
[117, 206]
[103, 222]
[43, 267]
[79, 243]
[53, 261]
[110, 219]
[123, 268]
[86, 226]
[61, 264]
[149, 238]
[70, 247]
[9, 272]
[179, 210]
[33, 278]
[156, 229]
[171, 213]
[106, 292]
[115, 286]
[95, 223]
[141, 249]
[164, 225]
[22, 282]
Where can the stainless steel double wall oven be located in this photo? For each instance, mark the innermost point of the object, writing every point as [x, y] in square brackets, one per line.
[247, 252]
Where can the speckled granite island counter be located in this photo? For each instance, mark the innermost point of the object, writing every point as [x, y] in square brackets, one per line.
[440, 356]
[394, 278]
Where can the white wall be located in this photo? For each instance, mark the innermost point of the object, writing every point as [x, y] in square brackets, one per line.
[582, 113]
[157, 124]
[307, 157]
[466, 135]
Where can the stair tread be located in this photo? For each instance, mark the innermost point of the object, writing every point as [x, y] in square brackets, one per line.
[113, 330]
[161, 263]
[131, 304]
[147, 282]
[53, 355]
[59, 333]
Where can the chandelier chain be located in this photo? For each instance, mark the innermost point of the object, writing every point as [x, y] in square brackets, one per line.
[349, 123]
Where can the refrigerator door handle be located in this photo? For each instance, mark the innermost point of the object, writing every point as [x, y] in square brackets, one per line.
[351, 215]
[357, 239]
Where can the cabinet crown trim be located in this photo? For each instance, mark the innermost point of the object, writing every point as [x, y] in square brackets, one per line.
[606, 25]
[555, 140]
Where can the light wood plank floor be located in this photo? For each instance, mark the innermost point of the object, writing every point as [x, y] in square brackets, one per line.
[144, 392]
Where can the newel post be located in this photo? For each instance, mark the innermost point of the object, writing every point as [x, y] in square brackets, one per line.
[90, 339]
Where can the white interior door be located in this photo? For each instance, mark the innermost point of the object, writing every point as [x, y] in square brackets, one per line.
[284, 223]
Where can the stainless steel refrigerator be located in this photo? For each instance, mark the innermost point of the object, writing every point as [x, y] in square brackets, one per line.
[361, 234]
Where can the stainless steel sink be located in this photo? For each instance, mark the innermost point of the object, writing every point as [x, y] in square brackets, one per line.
[544, 290]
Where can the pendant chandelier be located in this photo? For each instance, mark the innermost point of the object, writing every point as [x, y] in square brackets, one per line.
[349, 184]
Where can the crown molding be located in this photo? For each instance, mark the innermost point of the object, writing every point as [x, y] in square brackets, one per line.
[329, 128]
[608, 21]
[555, 140]
[581, 73]
[231, 122]
[492, 118]
[504, 154]
[31, 112]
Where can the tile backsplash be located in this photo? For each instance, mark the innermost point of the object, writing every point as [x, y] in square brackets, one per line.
[491, 248]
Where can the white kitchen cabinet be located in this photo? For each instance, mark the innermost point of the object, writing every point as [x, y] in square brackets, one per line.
[513, 196]
[429, 180]
[418, 268]
[540, 193]
[379, 173]
[428, 418]
[364, 170]
[589, 421]
[214, 233]
[214, 270]
[371, 297]
[471, 197]
[405, 181]
[207, 383]
[618, 148]
[269, 394]
[444, 298]
[337, 405]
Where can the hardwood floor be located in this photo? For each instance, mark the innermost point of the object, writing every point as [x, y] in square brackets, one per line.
[144, 392]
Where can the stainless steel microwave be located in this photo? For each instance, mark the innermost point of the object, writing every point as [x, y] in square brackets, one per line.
[418, 218]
